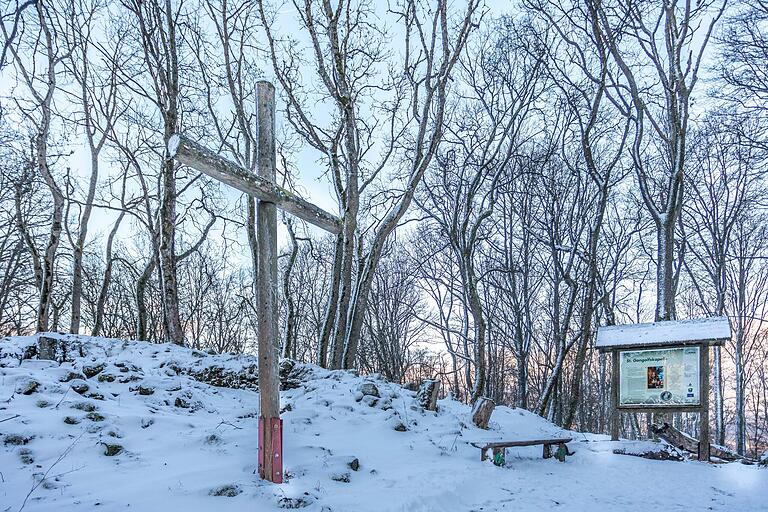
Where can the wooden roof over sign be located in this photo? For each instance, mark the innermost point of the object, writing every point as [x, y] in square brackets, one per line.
[711, 331]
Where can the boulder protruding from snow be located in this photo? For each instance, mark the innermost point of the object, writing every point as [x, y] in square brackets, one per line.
[481, 411]
[411, 386]
[54, 347]
[428, 393]
[292, 374]
[27, 386]
[369, 389]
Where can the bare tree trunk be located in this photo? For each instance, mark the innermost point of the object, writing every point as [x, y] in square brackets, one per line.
[141, 298]
[170, 287]
[289, 341]
[330, 314]
[44, 104]
[107, 279]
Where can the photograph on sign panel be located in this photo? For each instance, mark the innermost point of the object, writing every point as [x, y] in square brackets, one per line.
[661, 377]
[655, 377]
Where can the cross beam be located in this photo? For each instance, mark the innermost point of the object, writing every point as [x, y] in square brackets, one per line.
[261, 186]
[214, 165]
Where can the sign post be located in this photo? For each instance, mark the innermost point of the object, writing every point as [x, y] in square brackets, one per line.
[262, 186]
[663, 367]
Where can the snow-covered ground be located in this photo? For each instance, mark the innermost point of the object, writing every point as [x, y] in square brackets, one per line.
[179, 442]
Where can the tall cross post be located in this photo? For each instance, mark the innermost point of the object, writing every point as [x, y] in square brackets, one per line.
[270, 197]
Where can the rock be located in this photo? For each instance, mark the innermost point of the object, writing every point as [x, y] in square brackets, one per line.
[50, 349]
[15, 439]
[70, 376]
[293, 503]
[481, 411]
[27, 386]
[212, 439]
[181, 402]
[400, 426]
[71, 420]
[411, 386]
[147, 422]
[42, 403]
[229, 491]
[341, 477]
[79, 386]
[30, 352]
[84, 406]
[428, 393]
[59, 349]
[94, 369]
[292, 374]
[94, 416]
[110, 450]
[354, 464]
[144, 390]
[124, 367]
[244, 378]
[370, 400]
[106, 377]
[25, 454]
[369, 388]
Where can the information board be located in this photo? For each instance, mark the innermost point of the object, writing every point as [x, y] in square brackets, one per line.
[664, 377]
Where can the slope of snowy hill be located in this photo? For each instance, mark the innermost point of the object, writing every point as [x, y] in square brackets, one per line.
[137, 426]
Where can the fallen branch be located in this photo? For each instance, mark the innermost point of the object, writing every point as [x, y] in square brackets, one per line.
[45, 475]
[11, 418]
[685, 442]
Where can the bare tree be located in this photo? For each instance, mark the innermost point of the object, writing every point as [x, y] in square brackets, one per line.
[671, 40]
[99, 108]
[348, 54]
[40, 79]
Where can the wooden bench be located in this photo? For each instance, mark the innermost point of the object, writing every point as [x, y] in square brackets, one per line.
[498, 448]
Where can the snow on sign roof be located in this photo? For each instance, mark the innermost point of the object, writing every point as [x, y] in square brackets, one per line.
[713, 330]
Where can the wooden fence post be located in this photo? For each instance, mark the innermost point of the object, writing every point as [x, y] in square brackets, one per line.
[270, 449]
[615, 414]
[704, 398]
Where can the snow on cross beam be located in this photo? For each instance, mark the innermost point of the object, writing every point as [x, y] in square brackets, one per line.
[712, 331]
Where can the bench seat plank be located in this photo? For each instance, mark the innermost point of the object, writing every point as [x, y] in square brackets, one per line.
[511, 444]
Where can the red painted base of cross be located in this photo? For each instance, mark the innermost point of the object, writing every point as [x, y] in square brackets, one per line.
[275, 451]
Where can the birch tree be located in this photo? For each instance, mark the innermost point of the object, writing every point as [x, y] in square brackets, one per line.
[38, 58]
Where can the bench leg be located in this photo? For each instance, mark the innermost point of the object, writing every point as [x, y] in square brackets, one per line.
[547, 451]
[482, 454]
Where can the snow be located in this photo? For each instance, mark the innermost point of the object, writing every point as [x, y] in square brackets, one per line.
[173, 145]
[175, 458]
[664, 333]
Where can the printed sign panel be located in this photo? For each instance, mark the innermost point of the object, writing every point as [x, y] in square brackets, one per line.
[659, 377]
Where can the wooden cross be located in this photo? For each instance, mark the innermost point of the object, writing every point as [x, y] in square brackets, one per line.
[270, 197]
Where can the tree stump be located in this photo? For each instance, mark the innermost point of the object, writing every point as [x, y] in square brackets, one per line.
[481, 412]
[427, 395]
